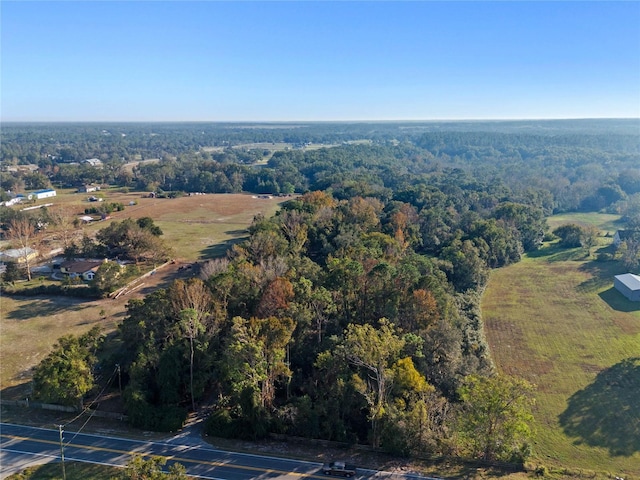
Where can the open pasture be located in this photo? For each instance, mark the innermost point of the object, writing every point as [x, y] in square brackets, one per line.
[559, 323]
[196, 227]
[199, 226]
[607, 223]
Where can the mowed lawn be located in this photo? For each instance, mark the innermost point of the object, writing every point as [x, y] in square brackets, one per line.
[556, 320]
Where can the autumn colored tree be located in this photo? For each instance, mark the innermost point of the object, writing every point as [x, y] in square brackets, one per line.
[275, 298]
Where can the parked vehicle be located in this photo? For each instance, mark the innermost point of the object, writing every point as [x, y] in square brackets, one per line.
[339, 469]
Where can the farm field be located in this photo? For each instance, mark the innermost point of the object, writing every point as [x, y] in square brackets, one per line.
[556, 320]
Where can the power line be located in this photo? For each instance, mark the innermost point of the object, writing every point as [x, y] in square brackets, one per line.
[88, 406]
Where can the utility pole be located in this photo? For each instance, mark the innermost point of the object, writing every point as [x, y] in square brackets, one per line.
[64, 473]
[119, 378]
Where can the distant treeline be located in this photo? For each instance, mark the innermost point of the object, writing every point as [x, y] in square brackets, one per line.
[566, 165]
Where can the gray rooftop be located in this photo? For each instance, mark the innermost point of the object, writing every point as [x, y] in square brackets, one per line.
[631, 281]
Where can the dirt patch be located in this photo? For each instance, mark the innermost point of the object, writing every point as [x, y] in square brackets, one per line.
[590, 368]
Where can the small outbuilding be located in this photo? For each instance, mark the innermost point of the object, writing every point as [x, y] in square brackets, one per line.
[45, 193]
[19, 255]
[88, 188]
[628, 284]
[94, 162]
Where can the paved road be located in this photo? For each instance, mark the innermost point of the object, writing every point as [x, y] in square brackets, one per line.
[29, 444]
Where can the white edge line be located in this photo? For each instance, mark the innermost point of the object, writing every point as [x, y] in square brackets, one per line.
[372, 472]
[71, 459]
[169, 444]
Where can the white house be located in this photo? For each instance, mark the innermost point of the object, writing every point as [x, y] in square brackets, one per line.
[628, 284]
[88, 188]
[622, 235]
[86, 269]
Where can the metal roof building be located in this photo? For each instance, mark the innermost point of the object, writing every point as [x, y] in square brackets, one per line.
[629, 285]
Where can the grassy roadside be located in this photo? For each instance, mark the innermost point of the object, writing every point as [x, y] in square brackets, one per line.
[556, 320]
[73, 471]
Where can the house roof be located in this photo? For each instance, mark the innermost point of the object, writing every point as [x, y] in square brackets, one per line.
[627, 234]
[629, 280]
[93, 161]
[18, 252]
[80, 266]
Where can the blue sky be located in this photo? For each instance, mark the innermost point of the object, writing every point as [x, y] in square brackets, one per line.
[303, 60]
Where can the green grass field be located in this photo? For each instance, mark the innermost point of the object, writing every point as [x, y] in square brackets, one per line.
[556, 320]
[607, 223]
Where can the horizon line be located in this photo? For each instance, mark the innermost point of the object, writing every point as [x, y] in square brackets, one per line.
[433, 120]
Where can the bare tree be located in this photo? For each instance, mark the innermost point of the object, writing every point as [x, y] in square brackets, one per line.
[193, 304]
[22, 232]
[213, 267]
[63, 219]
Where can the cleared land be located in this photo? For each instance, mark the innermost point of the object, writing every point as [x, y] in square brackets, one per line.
[197, 227]
[607, 223]
[556, 320]
[31, 325]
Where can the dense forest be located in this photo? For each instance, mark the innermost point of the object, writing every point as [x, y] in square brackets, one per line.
[353, 314]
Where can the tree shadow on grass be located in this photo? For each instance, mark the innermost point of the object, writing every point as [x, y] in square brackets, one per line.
[553, 252]
[607, 412]
[602, 273]
[43, 307]
[19, 391]
[220, 249]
